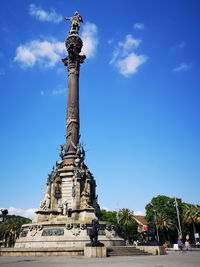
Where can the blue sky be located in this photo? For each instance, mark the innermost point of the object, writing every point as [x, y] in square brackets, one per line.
[139, 98]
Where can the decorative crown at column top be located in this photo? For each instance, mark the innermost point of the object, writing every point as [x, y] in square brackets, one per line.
[73, 44]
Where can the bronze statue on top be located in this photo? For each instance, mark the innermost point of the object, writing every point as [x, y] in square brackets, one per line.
[75, 23]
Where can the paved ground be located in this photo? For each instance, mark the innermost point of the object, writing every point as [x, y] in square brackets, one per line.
[173, 259]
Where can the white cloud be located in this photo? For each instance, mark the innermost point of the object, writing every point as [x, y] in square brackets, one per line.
[90, 40]
[42, 92]
[182, 67]
[46, 53]
[59, 91]
[129, 64]
[29, 213]
[139, 26]
[43, 15]
[129, 44]
[124, 59]
[139, 213]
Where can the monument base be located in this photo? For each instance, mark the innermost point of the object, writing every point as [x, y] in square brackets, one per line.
[65, 234]
[95, 252]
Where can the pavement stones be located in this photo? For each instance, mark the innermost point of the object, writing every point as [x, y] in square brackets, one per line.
[172, 259]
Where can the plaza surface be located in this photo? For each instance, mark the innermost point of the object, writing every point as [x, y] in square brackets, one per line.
[172, 259]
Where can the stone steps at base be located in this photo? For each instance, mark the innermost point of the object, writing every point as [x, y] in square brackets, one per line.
[126, 254]
[22, 252]
[125, 251]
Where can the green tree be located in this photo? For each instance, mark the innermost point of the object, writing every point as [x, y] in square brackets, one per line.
[163, 205]
[164, 224]
[13, 223]
[166, 215]
[128, 225]
[191, 215]
[109, 216]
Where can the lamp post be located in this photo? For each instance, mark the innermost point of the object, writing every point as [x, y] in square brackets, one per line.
[177, 211]
[117, 209]
[156, 225]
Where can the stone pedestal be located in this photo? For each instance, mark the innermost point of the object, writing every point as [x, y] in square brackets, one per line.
[95, 252]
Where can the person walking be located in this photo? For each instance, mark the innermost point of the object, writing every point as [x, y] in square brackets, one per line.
[180, 245]
[187, 245]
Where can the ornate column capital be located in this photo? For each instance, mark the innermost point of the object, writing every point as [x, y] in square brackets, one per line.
[73, 45]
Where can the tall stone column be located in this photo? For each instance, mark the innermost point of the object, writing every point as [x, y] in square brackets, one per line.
[72, 61]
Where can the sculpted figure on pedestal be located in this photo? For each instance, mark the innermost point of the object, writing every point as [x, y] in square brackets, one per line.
[57, 192]
[73, 191]
[45, 204]
[80, 168]
[85, 200]
[61, 151]
[65, 208]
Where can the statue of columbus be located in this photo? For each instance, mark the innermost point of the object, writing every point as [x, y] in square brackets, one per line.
[75, 23]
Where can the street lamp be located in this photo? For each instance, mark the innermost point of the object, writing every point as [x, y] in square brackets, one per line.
[156, 225]
[117, 215]
[177, 211]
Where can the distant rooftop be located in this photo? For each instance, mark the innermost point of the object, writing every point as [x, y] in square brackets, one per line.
[141, 220]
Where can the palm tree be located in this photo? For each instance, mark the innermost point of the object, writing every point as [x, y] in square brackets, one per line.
[191, 215]
[126, 218]
[164, 223]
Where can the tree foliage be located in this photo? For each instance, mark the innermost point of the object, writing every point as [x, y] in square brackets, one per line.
[109, 216]
[167, 221]
[127, 223]
[126, 217]
[163, 205]
[12, 223]
[191, 215]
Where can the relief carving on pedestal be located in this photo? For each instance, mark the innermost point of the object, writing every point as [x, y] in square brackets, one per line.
[34, 229]
[69, 226]
[75, 228]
